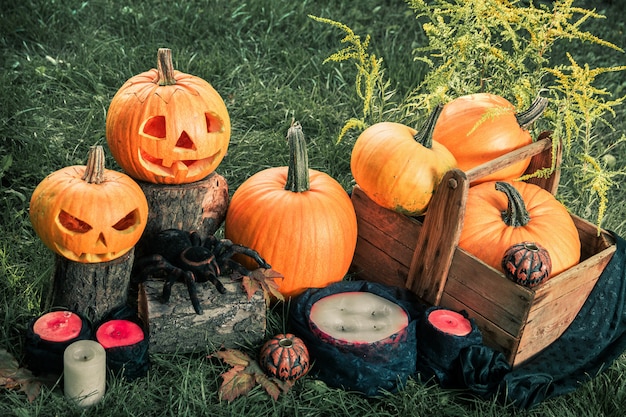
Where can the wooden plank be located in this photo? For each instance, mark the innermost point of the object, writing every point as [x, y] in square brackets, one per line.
[486, 290]
[372, 264]
[438, 238]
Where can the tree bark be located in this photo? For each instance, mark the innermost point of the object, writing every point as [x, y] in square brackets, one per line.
[90, 289]
[199, 206]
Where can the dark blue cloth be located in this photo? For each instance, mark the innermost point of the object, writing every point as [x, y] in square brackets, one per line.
[594, 339]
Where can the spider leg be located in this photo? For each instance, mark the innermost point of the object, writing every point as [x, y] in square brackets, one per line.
[228, 249]
[190, 281]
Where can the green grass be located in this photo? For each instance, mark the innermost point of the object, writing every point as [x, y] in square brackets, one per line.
[63, 61]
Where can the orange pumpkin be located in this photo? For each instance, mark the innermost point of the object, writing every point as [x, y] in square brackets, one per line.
[478, 128]
[285, 357]
[501, 214]
[88, 213]
[399, 168]
[301, 221]
[164, 126]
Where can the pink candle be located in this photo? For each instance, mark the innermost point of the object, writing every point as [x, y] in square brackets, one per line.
[58, 326]
[116, 333]
[450, 322]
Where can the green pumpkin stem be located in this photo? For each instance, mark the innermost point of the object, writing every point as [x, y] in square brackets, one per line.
[165, 67]
[298, 169]
[94, 170]
[425, 135]
[534, 112]
[516, 214]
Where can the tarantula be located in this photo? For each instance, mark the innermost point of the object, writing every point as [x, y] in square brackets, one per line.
[182, 256]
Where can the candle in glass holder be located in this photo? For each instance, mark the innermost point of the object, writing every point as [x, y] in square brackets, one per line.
[84, 372]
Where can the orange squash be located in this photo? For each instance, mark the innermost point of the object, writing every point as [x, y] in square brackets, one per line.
[399, 168]
[501, 214]
[89, 214]
[164, 126]
[301, 221]
[478, 128]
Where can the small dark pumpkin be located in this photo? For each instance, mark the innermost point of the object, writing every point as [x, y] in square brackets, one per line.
[285, 357]
[527, 263]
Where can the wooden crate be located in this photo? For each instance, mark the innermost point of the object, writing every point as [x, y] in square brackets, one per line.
[422, 254]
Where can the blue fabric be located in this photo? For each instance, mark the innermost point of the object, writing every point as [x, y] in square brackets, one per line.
[594, 339]
[371, 372]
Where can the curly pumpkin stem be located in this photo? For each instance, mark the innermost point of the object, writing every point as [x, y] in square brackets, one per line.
[298, 168]
[425, 135]
[516, 214]
[534, 112]
[94, 170]
[165, 67]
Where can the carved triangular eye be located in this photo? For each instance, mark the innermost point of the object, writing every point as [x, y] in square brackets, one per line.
[155, 127]
[128, 221]
[213, 123]
[73, 224]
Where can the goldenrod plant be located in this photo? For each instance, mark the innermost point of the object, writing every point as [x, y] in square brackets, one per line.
[504, 48]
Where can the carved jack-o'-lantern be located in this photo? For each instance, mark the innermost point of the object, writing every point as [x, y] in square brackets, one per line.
[89, 214]
[167, 127]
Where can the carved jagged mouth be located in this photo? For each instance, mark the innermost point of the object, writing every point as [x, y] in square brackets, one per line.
[175, 168]
[89, 257]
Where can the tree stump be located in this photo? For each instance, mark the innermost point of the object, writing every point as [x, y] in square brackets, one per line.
[90, 289]
[228, 320]
[200, 206]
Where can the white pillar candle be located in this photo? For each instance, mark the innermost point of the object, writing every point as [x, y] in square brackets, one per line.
[84, 372]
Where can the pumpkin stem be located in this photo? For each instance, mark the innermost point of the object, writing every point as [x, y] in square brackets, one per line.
[165, 67]
[425, 135]
[534, 112]
[298, 169]
[516, 214]
[94, 170]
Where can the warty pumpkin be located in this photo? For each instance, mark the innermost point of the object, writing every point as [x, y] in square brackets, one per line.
[88, 213]
[478, 128]
[164, 126]
[300, 220]
[501, 214]
[398, 167]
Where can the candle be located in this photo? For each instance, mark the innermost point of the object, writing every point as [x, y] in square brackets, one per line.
[450, 322]
[116, 333]
[126, 347]
[58, 326]
[84, 372]
[357, 317]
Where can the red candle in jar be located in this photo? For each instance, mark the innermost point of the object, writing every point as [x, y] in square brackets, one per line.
[116, 333]
[58, 326]
[450, 322]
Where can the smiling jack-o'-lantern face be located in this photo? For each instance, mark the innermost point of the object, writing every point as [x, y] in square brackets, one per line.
[167, 127]
[89, 221]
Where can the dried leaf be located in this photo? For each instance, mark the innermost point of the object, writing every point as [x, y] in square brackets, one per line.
[270, 386]
[236, 383]
[250, 286]
[233, 357]
[266, 279]
[14, 377]
[244, 375]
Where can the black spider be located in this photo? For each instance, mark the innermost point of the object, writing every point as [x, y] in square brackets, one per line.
[182, 256]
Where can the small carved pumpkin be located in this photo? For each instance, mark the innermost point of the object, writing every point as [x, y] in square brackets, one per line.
[285, 357]
[167, 127]
[527, 263]
[89, 214]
